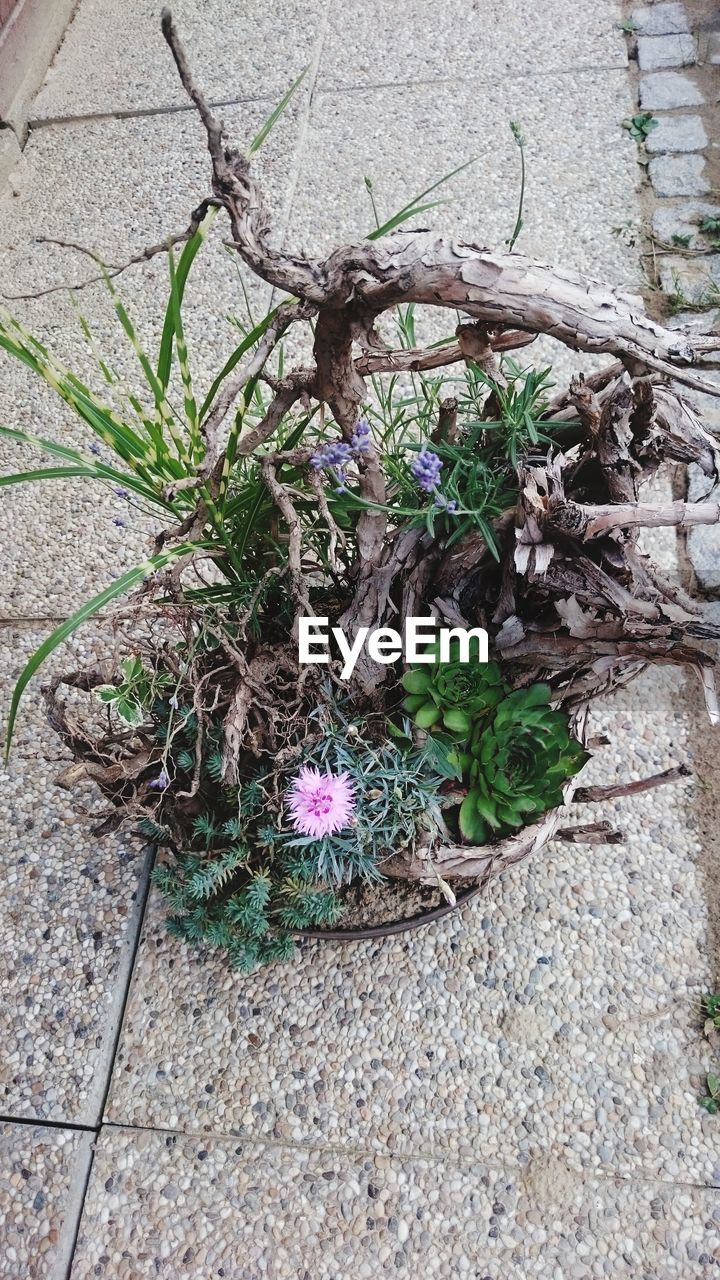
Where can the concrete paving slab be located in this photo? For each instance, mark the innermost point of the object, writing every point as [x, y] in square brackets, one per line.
[679, 175]
[10, 154]
[160, 1204]
[114, 59]
[433, 40]
[677, 133]
[69, 918]
[557, 1014]
[406, 138]
[59, 544]
[39, 1170]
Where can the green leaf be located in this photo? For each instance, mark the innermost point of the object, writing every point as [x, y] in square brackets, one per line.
[46, 473]
[461, 761]
[398, 734]
[413, 703]
[457, 721]
[129, 712]
[131, 668]
[189, 402]
[713, 1085]
[486, 808]
[440, 754]
[403, 216]
[101, 419]
[472, 826]
[427, 716]
[415, 681]
[86, 611]
[275, 115]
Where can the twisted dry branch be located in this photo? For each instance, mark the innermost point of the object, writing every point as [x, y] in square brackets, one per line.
[573, 600]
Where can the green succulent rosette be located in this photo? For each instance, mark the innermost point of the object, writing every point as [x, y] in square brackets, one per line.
[517, 765]
[452, 695]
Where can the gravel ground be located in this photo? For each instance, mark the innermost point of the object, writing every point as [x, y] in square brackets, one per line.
[210, 1207]
[38, 1168]
[511, 1092]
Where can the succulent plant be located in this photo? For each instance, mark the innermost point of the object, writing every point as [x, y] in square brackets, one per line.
[516, 764]
[452, 695]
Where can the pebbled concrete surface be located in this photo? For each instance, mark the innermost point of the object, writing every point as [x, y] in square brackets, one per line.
[170, 1205]
[511, 1092]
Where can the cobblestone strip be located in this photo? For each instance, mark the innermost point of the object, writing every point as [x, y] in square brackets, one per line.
[677, 48]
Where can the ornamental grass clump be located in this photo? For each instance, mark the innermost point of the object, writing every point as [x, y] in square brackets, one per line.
[379, 481]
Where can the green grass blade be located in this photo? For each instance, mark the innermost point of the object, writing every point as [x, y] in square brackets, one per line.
[275, 115]
[99, 470]
[248, 341]
[403, 216]
[416, 201]
[517, 134]
[185, 262]
[164, 417]
[99, 417]
[189, 401]
[83, 614]
[47, 473]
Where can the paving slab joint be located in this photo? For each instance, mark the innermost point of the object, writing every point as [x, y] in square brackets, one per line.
[74, 1205]
[98, 1093]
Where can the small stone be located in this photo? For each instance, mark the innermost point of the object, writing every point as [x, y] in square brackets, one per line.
[713, 48]
[690, 280]
[657, 52]
[665, 90]
[661, 20]
[678, 175]
[703, 543]
[677, 133]
[683, 220]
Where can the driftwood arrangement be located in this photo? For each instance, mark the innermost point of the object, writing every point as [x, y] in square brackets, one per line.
[572, 600]
[575, 601]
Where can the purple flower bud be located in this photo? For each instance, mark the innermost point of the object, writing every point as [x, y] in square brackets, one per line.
[445, 504]
[426, 468]
[334, 454]
[360, 440]
[118, 520]
[94, 447]
[160, 783]
[121, 493]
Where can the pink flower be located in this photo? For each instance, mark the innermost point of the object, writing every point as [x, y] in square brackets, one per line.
[320, 803]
